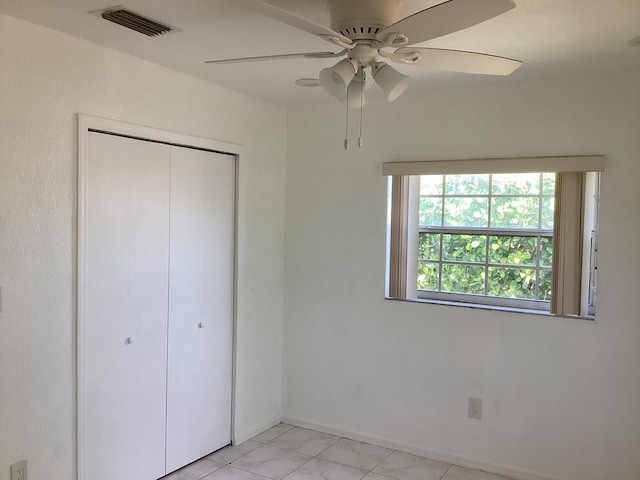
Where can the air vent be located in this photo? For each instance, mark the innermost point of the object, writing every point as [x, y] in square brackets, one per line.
[135, 22]
[363, 31]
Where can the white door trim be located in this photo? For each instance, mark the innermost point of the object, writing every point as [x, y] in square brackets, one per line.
[87, 123]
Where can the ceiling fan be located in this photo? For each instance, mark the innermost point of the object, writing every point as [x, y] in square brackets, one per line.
[368, 30]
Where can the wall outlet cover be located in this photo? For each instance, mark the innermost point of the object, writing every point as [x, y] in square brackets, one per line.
[475, 408]
[19, 470]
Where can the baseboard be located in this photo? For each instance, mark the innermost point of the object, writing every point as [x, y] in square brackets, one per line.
[506, 470]
[244, 436]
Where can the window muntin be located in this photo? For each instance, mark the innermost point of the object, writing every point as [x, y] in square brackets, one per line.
[486, 238]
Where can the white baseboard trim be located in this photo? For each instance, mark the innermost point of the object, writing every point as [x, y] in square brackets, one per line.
[506, 470]
[244, 436]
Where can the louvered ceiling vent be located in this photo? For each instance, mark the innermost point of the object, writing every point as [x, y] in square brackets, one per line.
[135, 22]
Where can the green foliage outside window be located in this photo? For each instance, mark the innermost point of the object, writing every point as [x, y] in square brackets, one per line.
[489, 262]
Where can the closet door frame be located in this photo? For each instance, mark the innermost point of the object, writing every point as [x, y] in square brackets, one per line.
[85, 125]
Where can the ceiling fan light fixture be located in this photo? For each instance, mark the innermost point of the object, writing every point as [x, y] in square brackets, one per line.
[392, 82]
[336, 80]
[355, 96]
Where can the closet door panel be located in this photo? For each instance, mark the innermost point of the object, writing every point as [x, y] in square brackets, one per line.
[200, 303]
[186, 309]
[127, 247]
[218, 290]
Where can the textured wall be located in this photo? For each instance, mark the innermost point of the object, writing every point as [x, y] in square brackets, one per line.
[45, 79]
[560, 395]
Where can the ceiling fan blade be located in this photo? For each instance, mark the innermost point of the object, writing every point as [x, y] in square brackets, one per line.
[444, 18]
[294, 20]
[458, 61]
[284, 56]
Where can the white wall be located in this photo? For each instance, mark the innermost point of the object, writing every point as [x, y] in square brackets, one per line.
[560, 395]
[45, 79]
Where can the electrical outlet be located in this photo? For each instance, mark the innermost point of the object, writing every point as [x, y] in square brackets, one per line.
[19, 470]
[475, 408]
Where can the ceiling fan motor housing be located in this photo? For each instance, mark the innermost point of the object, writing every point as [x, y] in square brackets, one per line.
[363, 54]
[362, 19]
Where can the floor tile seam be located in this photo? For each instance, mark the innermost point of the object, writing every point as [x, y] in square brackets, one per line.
[297, 468]
[421, 459]
[302, 453]
[291, 427]
[286, 450]
[384, 475]
[239, 457]
[311, 457]
[320, 453]
[352, 466]
[217, 464]
[317, 456]
[367, 472]
[391, 452]
[381, 475]
[341, 464]
[446, 471]
[338, 463]
[338, 439]
[254, 473]
[207, 474]
[382, 461]
[396, 478]
[450, 465]
[274, 438]
[221, 464]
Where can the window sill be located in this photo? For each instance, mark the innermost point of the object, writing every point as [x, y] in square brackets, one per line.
[489, 307]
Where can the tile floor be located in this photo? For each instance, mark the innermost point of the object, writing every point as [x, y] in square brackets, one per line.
[285, 452]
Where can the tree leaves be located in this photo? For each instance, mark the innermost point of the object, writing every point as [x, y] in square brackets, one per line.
[501, 265]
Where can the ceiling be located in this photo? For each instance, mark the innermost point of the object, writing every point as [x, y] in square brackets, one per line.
[552, 37]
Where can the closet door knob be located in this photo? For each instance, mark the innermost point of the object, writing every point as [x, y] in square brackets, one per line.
[129, 340]
[201, 325]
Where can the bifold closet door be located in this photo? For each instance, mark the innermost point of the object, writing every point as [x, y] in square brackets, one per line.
[125, 326]
[200, 304]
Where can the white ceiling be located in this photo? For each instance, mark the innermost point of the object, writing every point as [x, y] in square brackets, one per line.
[550, 36]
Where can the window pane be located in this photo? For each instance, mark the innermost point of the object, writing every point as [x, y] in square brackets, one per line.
[516, 184]
[512, 250]
[466, 212]
[467, 185]
[546, 251]
[431, 184]
[512, 282]
[547, 213]
[430, 211]
[428, 274]
[544, 285]
[464, 248]
[429, 246]
[463, 279]
[514, 212]
[548, 183]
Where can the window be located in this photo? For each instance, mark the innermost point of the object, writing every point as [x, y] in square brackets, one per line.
[472, 232]
[486, 235]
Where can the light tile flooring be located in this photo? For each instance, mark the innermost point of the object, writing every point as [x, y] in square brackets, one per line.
[292, 453]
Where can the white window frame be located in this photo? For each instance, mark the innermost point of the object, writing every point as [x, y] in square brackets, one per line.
[570, 293]
[487, 231]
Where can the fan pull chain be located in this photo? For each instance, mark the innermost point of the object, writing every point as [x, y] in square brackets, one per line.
[346, 128]
[364, 81]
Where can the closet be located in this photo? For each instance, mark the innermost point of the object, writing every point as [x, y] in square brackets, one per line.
[158, 256]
